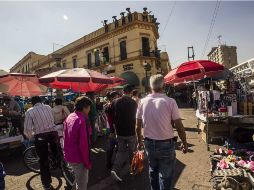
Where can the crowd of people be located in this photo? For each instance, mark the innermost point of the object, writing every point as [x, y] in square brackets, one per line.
[132, 123]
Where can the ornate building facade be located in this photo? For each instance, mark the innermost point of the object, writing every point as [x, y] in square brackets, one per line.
[122, 48]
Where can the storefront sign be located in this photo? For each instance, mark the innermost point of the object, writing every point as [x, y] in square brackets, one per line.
[128, 67]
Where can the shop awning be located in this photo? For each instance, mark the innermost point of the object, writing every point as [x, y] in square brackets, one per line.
[131, 78]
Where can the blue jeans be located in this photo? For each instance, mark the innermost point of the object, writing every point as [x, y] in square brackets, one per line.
[162, 158]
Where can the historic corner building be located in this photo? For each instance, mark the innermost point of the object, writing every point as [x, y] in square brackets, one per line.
[127, 48]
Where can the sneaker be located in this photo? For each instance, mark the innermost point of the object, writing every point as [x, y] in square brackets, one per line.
[115, 176]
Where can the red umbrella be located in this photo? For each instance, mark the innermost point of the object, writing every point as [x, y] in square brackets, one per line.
[17, 84]
[193, 70]
[116, 82]
[78, 79]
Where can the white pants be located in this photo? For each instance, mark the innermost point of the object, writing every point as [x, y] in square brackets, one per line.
[81, 176]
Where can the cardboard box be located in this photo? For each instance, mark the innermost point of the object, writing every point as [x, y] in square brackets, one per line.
[216, 130]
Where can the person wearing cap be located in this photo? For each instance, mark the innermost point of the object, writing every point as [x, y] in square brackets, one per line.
[156, 112]
[125, 109]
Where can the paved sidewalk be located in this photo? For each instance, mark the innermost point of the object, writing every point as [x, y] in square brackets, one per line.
[192, 169]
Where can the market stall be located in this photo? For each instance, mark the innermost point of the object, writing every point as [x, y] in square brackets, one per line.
[10, 127]
[223, 107]
[11, 116]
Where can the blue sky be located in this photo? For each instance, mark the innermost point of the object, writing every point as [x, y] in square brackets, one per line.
[34, 26]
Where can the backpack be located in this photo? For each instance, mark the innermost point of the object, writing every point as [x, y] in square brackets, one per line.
[2, 175]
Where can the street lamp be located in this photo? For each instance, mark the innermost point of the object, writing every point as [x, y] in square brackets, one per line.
[147, 67]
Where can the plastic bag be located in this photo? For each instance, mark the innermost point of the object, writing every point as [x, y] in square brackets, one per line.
[137, 165]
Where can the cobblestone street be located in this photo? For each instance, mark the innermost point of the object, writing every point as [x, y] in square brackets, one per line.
[192, 169]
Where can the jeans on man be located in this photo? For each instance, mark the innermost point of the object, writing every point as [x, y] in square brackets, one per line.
[111, 145]
[41, 145]
[126, 147]
[162, 158]
[81, 175]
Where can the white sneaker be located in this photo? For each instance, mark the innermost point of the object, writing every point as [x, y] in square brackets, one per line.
[115, 176]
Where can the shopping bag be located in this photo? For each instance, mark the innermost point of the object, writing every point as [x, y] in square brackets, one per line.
[137, 164]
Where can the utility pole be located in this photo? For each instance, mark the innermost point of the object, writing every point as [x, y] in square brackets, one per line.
[189, 55]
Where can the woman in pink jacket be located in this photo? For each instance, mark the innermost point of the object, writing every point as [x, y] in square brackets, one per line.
[77, 133]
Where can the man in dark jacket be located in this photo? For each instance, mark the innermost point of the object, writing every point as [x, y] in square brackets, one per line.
[125, 109]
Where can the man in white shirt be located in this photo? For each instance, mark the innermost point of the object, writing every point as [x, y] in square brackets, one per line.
[156, 112]
[39, 122]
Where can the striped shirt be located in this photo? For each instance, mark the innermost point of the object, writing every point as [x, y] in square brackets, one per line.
[38, 119]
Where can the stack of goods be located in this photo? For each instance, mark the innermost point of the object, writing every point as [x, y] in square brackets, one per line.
[232, 169]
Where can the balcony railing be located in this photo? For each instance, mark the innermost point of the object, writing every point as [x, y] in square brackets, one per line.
[153, 53]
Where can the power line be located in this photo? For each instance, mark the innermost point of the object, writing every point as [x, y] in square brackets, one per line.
[215, 13]
[169, 16]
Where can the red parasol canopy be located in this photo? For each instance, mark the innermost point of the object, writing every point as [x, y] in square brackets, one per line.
[116, 82]
[78, 79]
[17, 84]
[193, 70]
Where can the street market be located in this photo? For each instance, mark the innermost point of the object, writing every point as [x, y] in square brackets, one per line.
[123, 107]
[221, 112]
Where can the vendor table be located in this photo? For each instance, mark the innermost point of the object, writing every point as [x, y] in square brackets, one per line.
[212, 127]
[11, 130]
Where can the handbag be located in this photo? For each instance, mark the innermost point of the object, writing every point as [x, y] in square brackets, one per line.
[137, 164]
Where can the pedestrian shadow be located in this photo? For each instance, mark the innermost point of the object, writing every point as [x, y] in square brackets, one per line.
[34, 183]
[179, 167]
[13, 161]
[141, 181]
[192, 129]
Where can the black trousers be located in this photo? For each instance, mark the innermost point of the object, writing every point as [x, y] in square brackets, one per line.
[42, 142]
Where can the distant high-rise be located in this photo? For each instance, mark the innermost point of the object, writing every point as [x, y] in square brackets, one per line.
[225, 55]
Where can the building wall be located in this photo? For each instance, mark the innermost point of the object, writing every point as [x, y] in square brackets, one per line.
[225, 55]
[97, 40]
[25, 65]
[133, 46]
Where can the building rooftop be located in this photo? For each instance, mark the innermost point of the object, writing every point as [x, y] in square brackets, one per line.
[219, 46]
[27, 56]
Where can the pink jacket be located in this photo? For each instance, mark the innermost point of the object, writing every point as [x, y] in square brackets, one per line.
[76, 139]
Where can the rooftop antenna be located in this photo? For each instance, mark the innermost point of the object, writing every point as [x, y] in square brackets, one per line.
[219, 39]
